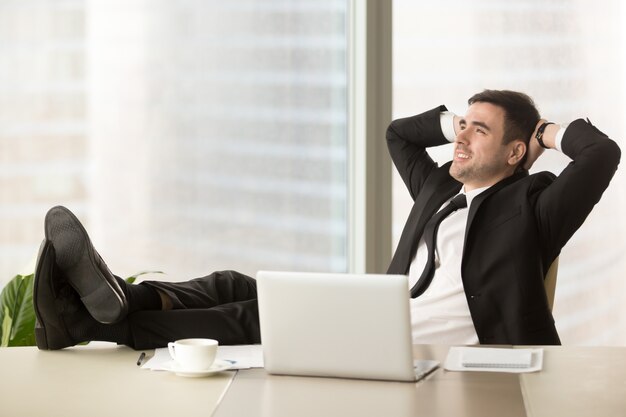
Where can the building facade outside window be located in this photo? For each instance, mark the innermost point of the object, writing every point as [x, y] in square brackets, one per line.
[189, 136]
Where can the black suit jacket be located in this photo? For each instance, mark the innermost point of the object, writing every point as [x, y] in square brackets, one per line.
[515, 229]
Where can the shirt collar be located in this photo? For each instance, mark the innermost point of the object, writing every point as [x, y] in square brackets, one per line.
[471, 194]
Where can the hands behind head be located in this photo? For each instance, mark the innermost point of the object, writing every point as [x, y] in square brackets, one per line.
[534, 150]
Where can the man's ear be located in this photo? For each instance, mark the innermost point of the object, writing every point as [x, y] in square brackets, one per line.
[517, 152]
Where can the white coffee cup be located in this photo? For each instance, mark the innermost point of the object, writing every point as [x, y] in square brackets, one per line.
[193, 354]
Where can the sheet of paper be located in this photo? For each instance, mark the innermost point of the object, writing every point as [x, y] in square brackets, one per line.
[242, 356]
[160, 361]
[496, 358]
[493, 359]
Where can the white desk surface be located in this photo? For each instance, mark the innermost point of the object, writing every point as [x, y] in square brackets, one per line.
[577, 381]
[105, 380]
[442, 393]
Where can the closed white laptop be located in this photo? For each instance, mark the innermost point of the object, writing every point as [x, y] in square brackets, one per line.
[337, 325]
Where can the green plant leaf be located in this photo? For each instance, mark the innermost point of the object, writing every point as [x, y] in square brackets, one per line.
[5, 325]
[17, 312]
[131, 279]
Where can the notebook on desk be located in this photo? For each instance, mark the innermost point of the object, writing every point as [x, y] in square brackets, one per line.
[337, 325]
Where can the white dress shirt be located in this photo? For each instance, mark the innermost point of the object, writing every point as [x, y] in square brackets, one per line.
[441, 314]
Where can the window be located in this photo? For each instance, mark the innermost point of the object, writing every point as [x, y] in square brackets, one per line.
[189, 136]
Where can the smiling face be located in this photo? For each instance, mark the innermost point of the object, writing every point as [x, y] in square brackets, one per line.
[481, 158]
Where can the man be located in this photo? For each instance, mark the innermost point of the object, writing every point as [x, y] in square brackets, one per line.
[485, 284]
[477, 276]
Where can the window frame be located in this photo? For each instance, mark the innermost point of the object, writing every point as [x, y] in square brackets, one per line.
[369, 114]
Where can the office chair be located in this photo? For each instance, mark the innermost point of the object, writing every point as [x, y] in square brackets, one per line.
[549, 282]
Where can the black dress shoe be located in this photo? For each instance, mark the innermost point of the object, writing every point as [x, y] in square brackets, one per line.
[50, 330]
[83, 267]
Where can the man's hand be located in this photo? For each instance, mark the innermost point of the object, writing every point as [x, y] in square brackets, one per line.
[534, 150]
[457, 124]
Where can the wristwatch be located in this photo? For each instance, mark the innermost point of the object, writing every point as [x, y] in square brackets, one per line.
[539, 135]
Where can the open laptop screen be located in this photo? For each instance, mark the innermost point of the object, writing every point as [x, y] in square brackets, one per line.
[338, 325]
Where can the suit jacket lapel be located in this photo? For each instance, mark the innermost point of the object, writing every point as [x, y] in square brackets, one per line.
[480, 198]
[426, 205]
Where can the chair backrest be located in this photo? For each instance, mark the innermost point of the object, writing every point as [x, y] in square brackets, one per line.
[549, 282]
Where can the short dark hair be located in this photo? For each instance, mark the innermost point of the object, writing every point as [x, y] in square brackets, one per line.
[520, 113]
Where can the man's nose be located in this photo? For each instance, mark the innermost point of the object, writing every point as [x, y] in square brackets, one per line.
[461, 137]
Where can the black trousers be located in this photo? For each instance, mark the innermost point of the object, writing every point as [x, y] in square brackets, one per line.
[221, 306]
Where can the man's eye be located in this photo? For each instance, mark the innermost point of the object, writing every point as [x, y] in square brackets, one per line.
[482, 132]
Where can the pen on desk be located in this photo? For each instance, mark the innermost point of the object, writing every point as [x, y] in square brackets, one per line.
[141, 358]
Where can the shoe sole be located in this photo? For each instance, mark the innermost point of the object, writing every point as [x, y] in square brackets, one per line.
[76, 257]
[50, 333]
[40, 329]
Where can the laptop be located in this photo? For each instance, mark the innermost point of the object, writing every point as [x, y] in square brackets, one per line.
[337, 325]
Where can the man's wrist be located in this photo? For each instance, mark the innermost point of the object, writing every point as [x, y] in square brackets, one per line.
[550, 134]
[540, 133]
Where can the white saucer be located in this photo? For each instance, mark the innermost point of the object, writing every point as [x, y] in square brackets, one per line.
[218, 366]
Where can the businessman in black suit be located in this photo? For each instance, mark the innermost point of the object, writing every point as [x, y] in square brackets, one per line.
[516, 224]
[486, 267]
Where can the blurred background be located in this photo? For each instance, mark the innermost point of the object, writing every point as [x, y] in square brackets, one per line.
[199, 135]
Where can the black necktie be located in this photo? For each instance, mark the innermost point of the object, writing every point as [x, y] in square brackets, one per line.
[430, 237]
